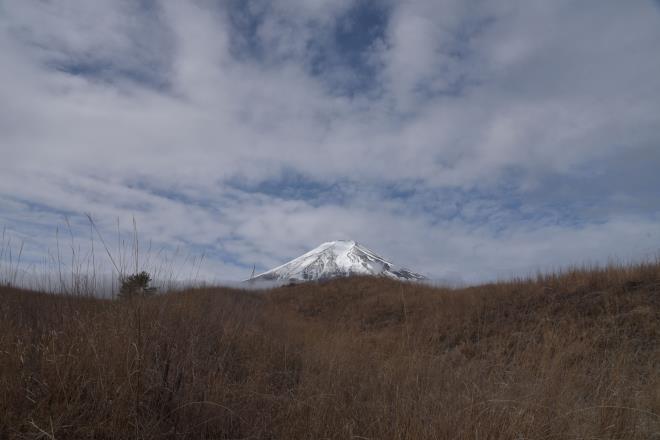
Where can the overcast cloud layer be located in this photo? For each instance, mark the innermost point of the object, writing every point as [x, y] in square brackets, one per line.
[465, 139]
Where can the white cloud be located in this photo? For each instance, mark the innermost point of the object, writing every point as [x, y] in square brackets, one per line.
[117, 109]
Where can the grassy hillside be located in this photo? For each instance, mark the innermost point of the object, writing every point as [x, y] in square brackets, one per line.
[571, 356]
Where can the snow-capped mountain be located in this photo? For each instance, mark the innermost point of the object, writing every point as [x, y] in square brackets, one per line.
[336, 259]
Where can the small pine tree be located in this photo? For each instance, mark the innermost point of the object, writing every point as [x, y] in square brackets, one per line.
[136, 285]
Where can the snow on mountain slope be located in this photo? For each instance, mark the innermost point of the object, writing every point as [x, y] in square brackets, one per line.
[336, 259]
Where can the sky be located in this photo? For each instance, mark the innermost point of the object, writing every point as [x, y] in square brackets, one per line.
[467, 140]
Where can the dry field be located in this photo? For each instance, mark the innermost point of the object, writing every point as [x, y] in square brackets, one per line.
[568, 356]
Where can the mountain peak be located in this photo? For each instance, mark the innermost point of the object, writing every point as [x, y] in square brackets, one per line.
[348, 243]
[339, 258]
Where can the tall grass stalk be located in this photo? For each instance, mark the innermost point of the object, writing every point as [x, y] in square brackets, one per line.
[74, 268]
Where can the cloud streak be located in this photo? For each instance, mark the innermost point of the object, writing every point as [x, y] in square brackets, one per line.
[465, 139]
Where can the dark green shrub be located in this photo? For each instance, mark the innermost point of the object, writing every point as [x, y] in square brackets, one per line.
[136, 285]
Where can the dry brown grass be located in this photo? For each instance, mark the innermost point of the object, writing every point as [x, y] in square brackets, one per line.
[571, 356]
